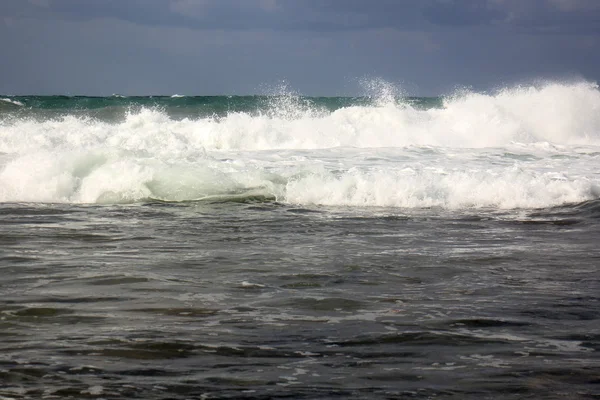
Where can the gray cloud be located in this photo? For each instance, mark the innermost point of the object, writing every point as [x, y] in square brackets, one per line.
[464, 13]
[538, 16]
[318, 46]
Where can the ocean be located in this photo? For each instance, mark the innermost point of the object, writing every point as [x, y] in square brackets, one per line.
[283, 246]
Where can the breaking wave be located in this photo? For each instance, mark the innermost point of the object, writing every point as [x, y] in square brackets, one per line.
[520, 147]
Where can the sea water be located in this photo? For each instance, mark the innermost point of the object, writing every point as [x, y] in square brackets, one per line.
[179, 247]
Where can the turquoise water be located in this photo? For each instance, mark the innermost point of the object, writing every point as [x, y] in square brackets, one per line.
[115, 107]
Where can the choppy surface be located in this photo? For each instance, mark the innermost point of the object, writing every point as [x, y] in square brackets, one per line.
[287, 247]
[263, 300]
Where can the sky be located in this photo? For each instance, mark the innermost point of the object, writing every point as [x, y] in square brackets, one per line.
[313, 47]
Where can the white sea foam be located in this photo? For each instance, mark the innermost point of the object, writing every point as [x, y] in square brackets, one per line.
[559, 114]
[502, 188]
[15, 102]
[522, 147]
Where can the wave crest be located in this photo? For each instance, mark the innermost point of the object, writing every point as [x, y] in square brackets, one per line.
[555, 113]
[390, 153]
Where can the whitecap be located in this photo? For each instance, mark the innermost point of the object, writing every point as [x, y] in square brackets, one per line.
[15, 102]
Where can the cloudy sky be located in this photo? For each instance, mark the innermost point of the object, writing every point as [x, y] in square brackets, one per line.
[319, 47]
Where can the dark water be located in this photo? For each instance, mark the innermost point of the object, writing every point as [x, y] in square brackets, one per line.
[291, 247]
[265, 300]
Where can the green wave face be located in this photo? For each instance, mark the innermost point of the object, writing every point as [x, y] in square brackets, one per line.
[115, 108]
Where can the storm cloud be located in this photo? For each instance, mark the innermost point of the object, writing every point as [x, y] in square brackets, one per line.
[322, 47]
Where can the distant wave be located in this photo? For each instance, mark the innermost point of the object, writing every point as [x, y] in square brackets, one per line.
[557, 113]
[15, 102]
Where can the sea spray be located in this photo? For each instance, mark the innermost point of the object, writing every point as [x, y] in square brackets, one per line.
[521, 147]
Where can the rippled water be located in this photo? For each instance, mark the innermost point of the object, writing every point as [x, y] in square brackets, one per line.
[307, 248]
[264, 300]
